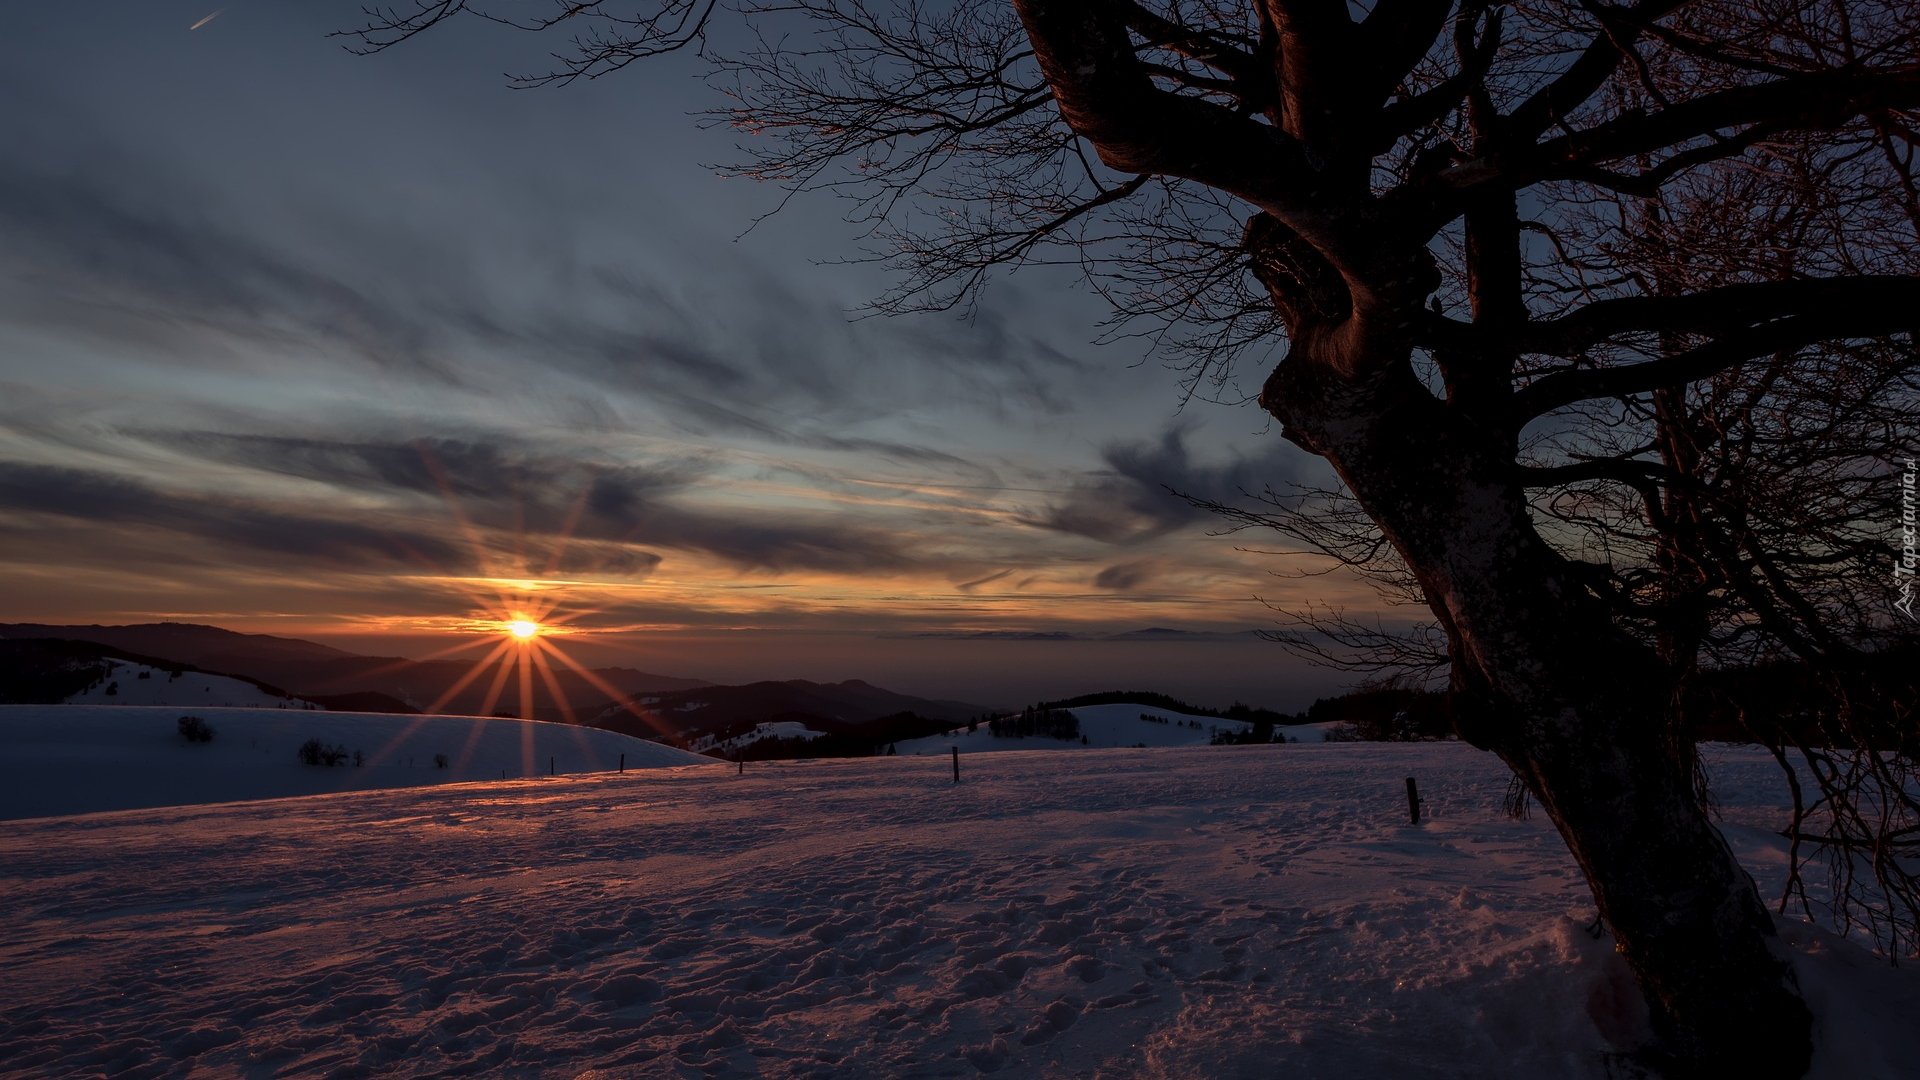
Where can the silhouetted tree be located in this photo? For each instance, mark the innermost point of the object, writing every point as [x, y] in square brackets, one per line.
[1405, 192]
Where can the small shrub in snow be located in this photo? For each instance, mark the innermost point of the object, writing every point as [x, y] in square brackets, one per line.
[315, 752]
[439, 761]
[195, 730]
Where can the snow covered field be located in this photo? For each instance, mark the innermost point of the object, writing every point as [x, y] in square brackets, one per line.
[1174, 914]
[72, 759]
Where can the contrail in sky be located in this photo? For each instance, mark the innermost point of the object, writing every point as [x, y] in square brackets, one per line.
[205, 19]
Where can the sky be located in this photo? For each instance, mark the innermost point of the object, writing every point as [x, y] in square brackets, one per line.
[376, 349]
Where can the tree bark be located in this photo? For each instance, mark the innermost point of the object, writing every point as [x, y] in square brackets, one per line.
[1577, 709]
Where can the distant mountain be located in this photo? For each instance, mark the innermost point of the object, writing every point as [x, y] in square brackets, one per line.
[344, 680]
[191, 643]
[721, 712]
[1161, 633]
[420, 683]
[1151, 633]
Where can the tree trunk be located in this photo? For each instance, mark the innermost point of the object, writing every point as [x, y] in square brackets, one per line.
[1577, 709]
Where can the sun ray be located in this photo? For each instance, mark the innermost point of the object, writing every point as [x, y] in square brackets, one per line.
[406, 732]
[565, 535]
[454, 690]
[553, 686]
[499, 683]
[527, 764]
[438, 654]
[525, 667]
[621, 700]
[473, 743]
[575, 728]
[481, 555]
[442, 654]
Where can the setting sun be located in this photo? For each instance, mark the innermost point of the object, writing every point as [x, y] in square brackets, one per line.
[523, 629]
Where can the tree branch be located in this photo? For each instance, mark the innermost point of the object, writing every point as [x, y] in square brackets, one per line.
[1775, 335]
[1106, 95]
[1553, 103]
[1203, 48]
[1818, 100]
[1717, 311]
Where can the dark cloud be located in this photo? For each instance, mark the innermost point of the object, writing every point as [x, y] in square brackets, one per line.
[219, 525]
[463, 468]
[969, 586]
[762, 541]
[1139, 496]
[506, 488]
[159, 265]
[93, 257]
[515, 493]
[1125, 576]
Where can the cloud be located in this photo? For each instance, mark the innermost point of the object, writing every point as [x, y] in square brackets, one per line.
[1138, 496]
[167, 268]
[969, 586]
[758, 541]
[520, 495]
[153, 271]
[1125, 576]
[214, 524]
[490, 468]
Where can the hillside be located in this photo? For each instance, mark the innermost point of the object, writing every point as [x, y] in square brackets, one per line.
[51, 671]
[718, 712]
[1107, 727]
[1174, 914]
[191, 643]
[71, 759]
[345, 680]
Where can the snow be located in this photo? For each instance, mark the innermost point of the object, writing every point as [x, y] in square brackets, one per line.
[1108, 726]
[70, 759]
[1171, 914]
[778, 729]
[189, 689]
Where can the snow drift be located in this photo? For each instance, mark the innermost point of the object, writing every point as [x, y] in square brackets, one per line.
[1178, 914]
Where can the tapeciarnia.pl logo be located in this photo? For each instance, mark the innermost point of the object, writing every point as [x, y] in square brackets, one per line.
[1908, 563]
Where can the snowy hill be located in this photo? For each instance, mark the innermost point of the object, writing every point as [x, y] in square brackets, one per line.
[781, 729]
[130, 683]
[1107, 727]
[72, 759]
[1225, 913]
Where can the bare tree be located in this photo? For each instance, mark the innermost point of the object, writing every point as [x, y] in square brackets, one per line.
[1503, 243]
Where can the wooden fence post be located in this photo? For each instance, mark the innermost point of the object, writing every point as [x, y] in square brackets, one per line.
[623, 763]
[1413, 800]
[956, 764]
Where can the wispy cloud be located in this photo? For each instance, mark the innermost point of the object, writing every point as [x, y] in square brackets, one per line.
[1138, 497]
[217, 524]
